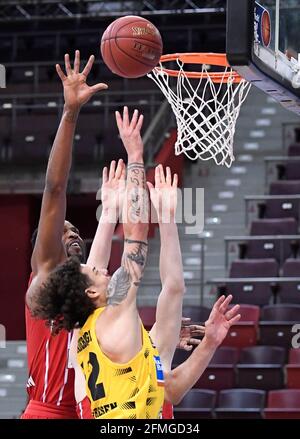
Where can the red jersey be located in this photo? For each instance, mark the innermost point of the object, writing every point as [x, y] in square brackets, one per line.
[51, 377]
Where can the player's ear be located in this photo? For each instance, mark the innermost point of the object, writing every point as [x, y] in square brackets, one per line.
[91, 293]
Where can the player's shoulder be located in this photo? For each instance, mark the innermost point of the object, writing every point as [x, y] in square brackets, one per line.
[35, 282]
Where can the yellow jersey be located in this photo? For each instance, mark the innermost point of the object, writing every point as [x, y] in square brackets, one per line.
[134, 390]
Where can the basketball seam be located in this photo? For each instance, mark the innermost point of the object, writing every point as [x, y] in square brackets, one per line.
[111, 54]
[137, 60]
[113, 59]
[131, 37]
[137, 21]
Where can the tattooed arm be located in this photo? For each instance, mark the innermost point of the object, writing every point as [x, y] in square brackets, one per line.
[126, 280]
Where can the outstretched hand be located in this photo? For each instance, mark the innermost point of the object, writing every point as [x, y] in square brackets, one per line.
[113, 188]
[220, 320]
[76, 90]
[130, 132]
[164, 194]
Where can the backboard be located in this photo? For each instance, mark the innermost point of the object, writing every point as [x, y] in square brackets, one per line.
[263, 46]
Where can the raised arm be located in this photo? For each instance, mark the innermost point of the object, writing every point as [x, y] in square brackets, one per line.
[112, 194]
[48, 250]
[125, 281]
[166, 331]
[180, 380]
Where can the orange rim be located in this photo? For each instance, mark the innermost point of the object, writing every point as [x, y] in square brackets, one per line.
[216, 59]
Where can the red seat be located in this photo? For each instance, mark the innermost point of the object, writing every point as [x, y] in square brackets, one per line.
[293, 369]
[148, 316]
[244, 333]
[283, 404]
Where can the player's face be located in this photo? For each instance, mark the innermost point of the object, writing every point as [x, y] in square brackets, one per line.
[72, 241]
[99, 282]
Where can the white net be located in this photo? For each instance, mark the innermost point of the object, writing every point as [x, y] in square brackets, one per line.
[206, 112]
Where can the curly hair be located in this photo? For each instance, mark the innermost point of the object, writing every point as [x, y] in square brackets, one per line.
[62, 300]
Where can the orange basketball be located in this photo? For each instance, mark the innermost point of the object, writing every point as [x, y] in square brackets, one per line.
[266, 28]
[131, 46]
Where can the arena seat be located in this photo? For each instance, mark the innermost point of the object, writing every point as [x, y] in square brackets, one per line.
[275, 326]
[240, 404]
[289, 292]
[293, 369]
[220, 373]
[261, 367]
[197, 404]
[283, 404]
[248, 292]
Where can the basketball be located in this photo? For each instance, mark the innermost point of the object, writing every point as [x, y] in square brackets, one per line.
[266, 28]
[131, 46]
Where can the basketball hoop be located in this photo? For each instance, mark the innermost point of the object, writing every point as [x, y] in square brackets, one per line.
[206, 111]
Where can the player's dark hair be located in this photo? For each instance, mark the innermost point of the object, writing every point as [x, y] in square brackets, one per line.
[62, 299]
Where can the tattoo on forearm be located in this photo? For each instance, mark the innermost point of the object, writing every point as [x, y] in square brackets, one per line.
[134, 241]
[118, 287]
[138, 202]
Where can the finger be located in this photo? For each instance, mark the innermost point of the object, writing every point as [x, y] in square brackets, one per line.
[88, 66]
[175, 180]
[150, 186]
[67, 64]
[224, 305]
[112, 169]
[194, 341]
[185, 320]
[134, 119]
[125, 117]
[60, 72]
[77, 61]
[187, 347]
[104, 175]
[157, 176]
[140, 123]
[168, 176]
[219, 302]
[232, 312]
[119, 169]
[123, 174]
[196, 327]
[98, 87]
[119, 120]
[162, 174]
[234, 320]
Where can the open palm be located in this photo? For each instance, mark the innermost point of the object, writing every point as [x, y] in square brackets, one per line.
[76, 90]
[220, 320]
[113, 187]
[164, 194]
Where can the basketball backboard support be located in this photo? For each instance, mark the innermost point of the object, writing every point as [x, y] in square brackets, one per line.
[263, 46]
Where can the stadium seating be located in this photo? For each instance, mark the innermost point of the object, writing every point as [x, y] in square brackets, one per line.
[197, 404]
[293, 369]
[289, 292]
[283, 404]
[260, 367]
[251, 292]
[275, 326]
[240, 404]
[220, 373]
[268, 248]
